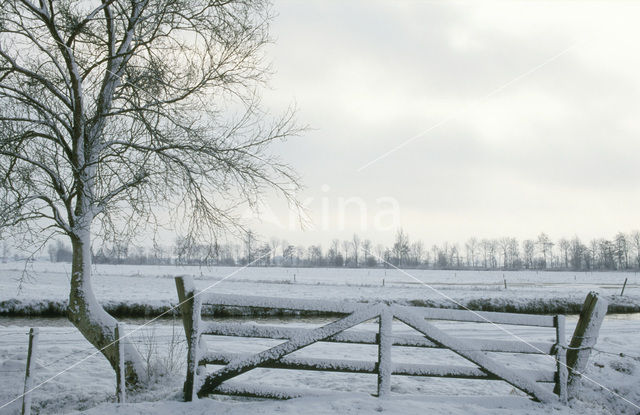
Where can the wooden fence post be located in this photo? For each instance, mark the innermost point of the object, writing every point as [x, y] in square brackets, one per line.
[623, 287]
[120, 377]
[186, 292]
[385, 341]
[28, 376]
[585, 336]
[561, 359]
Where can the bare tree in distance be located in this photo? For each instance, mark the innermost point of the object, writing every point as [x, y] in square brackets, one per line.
[284, 244]
[578, 253]
[545, 245]
[500, 253]
[635, 241]
[503, 244]
[471, 248]
[345, 246]
[528, 249]
[514, 253]
[250, 246]
[417, 251]
[380, 254]
[273, 244]
[370, 258]
[356, 248]
[111, 109]
[622, 250]
[564, 246]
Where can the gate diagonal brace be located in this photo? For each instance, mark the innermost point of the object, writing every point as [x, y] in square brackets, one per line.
[471, 353]
[236, 368]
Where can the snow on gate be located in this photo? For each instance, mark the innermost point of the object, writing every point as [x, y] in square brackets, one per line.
[198, 383]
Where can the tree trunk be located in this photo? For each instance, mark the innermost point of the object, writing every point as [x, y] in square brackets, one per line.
[91, 319]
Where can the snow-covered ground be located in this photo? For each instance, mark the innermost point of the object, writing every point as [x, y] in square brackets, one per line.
[88, 383]
[151, 289]
[76, 380]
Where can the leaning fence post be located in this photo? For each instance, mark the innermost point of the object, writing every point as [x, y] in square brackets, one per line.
[384, 352]
[120, 377]
[585, 336]
[28, 376]
[186, 291]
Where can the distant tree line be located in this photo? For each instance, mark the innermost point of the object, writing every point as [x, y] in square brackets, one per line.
[541, 253]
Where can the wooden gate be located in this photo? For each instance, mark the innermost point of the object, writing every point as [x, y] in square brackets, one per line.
[199, 384]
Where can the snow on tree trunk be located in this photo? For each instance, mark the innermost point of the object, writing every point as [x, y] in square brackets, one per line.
[86, 313]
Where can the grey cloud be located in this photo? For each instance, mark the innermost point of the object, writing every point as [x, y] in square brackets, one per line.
[369, 75]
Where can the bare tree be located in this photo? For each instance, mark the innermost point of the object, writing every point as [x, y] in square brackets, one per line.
[635, 242]
[454, 255]
[380, 251]
[471, 248]
[366, 248]
[444, 261]
[263, 255]
[274, 243]
[345, 246]
[288, 254]
[356, 248]
[110, 109]
[503, 244]
[578, 253]
[607, 254]
[401, 247]
[528, 249]
[284, 244]
[416, 252]
[492, 250]
[435, 251]
[250, 246]
[545, 245]
[513, 251]
[564, 246]
[594, 250]
[622, 250]
[332, 253]
[315, 255]
[299, 254]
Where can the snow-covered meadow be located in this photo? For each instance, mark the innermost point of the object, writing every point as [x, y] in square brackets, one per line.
[151, 289]
[78, 380]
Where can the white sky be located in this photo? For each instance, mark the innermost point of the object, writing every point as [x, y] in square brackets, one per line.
[536, 107]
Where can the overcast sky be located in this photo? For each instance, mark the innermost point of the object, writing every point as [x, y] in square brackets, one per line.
[469, 118]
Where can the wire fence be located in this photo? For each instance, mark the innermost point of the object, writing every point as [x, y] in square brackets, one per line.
[150, 337]
[162, 340]
[51, 338]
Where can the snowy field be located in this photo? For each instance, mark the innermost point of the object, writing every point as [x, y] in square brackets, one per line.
[76, 380]
[151, 289]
